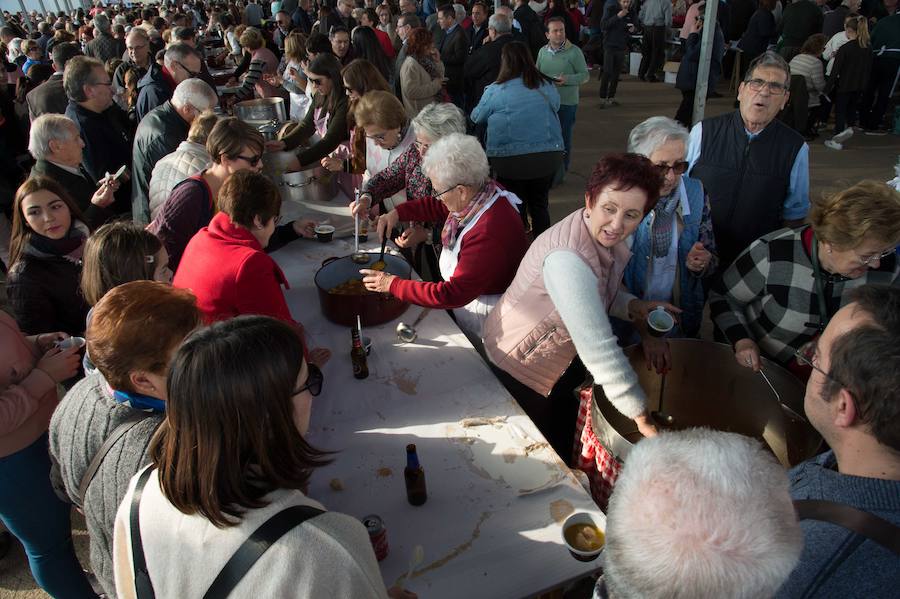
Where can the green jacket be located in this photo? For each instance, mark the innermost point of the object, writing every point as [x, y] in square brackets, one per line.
[887, 35]
[569, 62]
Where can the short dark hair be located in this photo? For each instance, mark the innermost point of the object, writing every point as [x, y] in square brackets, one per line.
[247, 194]
[136, 326]
[78, 73]
[230, 439]
[516, 61]
[62, 53]
[624, 172]
[410, 19]
[447, 10]
[229, 136]
[318, 43]
[866, 362]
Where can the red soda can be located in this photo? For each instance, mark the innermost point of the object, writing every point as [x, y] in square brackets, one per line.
[377, 535]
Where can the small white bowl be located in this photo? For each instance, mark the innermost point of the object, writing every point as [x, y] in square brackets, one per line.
[582, 518]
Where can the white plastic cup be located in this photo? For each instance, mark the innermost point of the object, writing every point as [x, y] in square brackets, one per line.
[659, 322]
[70, 342]
[581, 518]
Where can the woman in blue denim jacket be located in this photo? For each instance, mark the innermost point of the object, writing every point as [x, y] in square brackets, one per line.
[673, 248]
[524, 138]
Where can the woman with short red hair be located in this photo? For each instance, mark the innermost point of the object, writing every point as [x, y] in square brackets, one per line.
[555, 310]
[422, 72]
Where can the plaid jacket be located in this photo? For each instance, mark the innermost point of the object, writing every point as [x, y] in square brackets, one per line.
[769, 293]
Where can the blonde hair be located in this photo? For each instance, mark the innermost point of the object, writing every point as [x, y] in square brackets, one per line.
[251, 39]
[201, 126]
[869, 210]
[380, 108]
[860, 25]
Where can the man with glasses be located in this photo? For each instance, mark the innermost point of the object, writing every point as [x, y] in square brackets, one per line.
[180, 62]
[103, 125]
[340, 44]
[159, 134]
[754, 168]
[405, 24]
[137, 59]
[851, 400]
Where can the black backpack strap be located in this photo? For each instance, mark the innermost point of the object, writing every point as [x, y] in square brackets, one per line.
[862, 523]
[255, 546]
[97, 460]
[142, 585]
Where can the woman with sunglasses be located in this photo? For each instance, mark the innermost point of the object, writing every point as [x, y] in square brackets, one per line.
[233, 146]
[781, 291]
[673, 248]
[326, 117]
[226, 265]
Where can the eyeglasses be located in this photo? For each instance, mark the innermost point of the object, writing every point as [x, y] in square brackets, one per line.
[106, 83]
[808, 354]
[187, 70]
[775, 88]
[378, 137]
[422, 147]
[313, 382]
[437, 195]
[251, 160]
[678, 168]
[867, 260]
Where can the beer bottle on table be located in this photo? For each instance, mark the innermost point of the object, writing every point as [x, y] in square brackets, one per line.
[358, 352]
[414, 475]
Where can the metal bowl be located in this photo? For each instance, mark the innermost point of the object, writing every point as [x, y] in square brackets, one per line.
[373, 308]
[707, 387]
[261, 111]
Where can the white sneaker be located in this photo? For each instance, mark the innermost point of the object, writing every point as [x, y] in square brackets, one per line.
[843, 135]
[830, 143]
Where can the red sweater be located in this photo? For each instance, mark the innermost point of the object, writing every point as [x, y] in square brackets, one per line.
[488, 257]
[230, 273]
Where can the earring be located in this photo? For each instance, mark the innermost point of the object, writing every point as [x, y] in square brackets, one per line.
[260, 227]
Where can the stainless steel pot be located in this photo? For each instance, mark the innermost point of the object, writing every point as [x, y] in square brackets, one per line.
[706, 387]
[261, 111]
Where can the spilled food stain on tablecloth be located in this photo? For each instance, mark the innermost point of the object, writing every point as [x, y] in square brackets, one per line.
[453, 553]
[403, 381]
[560, 510]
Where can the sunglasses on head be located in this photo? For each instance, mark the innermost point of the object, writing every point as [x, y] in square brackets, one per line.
[678, 168]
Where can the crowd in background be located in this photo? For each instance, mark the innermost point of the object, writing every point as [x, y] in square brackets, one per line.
[139, 215]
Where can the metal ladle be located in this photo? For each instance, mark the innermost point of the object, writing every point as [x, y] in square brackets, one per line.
[357, 256]
[790, 412]
[407, 333]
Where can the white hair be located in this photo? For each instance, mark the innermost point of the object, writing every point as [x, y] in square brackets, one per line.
[701, 514]
[500, 23]
[460, 12]
[456, 159]
[194, 92]
[439, 119]
[646, 137]
[46, 128]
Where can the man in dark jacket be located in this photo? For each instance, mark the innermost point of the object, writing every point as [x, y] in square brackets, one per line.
[104, 46]
[181, 62]
[799, 21]
[483, 66]
[686, 80]
[532, 27]
[300, 17]
[50, 96]
[754, 167]
[159, 134]
[405, 24]
[103, 125]
[479, 30]
[454, 48]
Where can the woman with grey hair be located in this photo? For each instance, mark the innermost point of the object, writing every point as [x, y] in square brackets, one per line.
[483, 238]
[56, 145]
[435, 121]
[673, 248]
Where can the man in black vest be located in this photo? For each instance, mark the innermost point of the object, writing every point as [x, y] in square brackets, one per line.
[754, 168]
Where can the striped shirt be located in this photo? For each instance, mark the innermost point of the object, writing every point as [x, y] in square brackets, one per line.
[769, 293]
[813, 71]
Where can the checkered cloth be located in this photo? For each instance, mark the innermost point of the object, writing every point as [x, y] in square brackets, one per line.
[769, 293]
[592, 458]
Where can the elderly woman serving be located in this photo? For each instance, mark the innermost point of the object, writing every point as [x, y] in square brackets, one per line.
[483, 238]
[780, 292]
[556, 308]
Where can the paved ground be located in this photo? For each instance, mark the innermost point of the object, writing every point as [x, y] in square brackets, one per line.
[597, 132]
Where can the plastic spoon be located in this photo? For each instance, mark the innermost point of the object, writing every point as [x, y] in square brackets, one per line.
[417, 557]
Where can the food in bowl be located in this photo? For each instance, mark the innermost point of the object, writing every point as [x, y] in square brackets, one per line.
[350, 287]
[584, 536]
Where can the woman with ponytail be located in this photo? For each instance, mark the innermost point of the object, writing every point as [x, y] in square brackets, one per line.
[849, 78]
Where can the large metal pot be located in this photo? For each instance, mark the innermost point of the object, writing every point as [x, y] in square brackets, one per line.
[373, 308]
[261, 111]
[707, 387]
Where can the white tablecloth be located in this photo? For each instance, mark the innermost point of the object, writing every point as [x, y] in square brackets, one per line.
[481, 538]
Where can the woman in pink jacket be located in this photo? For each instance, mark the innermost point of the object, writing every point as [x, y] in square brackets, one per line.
[32, 367]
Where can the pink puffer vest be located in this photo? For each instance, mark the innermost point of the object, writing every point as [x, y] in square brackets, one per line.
[524, 334]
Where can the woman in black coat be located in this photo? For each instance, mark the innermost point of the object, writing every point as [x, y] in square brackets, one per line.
[761, 32]
[46, 245]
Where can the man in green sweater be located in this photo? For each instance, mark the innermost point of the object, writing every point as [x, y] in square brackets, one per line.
[564, 62]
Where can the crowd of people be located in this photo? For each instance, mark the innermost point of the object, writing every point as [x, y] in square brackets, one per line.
[141, 221]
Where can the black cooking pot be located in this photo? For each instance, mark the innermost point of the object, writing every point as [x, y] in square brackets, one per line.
[372, 308]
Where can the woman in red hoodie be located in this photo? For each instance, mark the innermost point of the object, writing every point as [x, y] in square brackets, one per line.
[483, 238]
[226, 265]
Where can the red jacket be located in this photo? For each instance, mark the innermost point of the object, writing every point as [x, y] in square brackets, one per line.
[386, 44]
[230, 273]
[487, 261]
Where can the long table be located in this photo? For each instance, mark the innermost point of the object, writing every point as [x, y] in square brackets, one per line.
[497, 492]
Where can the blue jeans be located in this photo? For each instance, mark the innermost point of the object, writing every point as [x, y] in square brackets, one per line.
[566, 115]
[35, 515]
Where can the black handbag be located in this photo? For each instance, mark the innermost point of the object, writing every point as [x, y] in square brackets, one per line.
[237, 566]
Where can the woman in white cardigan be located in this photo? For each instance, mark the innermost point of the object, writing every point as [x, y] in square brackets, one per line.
[188, 159]
[231, 455]
[422, 73]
